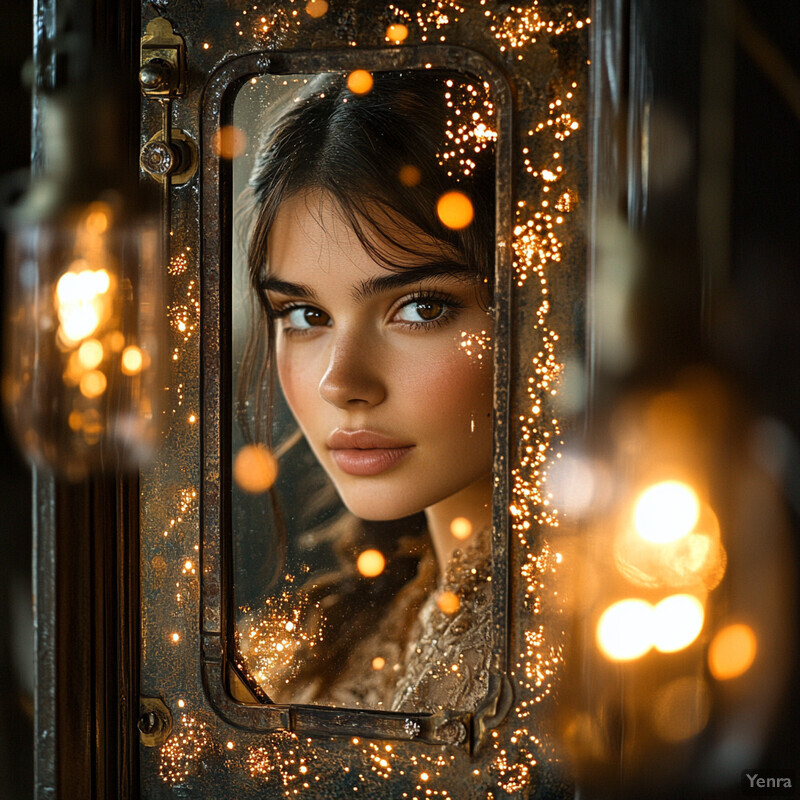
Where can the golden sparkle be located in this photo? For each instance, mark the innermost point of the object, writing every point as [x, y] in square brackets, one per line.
[396, 33]
[370, 563]
[455, 210]
[409, 175]
[229, 142]
[359, 81]
[255, 469]
[732, 651]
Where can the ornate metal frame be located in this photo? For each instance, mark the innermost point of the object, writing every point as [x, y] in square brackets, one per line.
[250, 750]
[217, 108]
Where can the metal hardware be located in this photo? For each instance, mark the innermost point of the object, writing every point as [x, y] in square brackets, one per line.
[494, 709]
[162, 72]
[155, 721]
[176, 158]
[162, 76]
[452, 731]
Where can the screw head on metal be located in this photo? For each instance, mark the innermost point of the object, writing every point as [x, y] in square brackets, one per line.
[158, 158]
[149, 722]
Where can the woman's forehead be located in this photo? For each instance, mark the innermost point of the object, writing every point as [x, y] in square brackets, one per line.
[312, 232]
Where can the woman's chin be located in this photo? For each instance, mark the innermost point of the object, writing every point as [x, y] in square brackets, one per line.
[382, 510]
[379, 503]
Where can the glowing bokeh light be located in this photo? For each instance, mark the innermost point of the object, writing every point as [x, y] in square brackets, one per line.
[409, 175]
[677, 621]
[229, 142]
[732, 652]
[254, 468]
[666, 511]
[378, 663]
[623, 630]
[359, 81]
[455, 210]
[93, 384]
[79, 301]
[397, 33]
[681, 709]
[461, 528]
[316, 8]
[97, 219]
[78, 321]
[90, 354]
[448, 602]
[370, 563]
[132, 360]
[116, 341]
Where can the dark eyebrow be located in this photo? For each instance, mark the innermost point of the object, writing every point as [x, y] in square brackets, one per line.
[381, 283]
[287, 288]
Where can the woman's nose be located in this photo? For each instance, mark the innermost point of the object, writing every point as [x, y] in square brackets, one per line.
[352, 376]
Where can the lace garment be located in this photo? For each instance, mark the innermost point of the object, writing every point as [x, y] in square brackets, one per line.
[433, 647]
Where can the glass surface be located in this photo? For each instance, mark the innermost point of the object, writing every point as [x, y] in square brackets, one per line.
[361, 433]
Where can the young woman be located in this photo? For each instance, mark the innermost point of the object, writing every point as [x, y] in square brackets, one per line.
[376, 319]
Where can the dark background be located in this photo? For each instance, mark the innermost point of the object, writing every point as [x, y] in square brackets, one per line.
[761, 351]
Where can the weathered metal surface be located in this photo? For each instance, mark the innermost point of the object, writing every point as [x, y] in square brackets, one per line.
[221, 748]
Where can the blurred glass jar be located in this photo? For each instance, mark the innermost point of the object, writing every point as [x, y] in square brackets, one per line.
[84, 312]
[681, 595]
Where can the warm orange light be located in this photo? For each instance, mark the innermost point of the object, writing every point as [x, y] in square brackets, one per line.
[132, 360]
[666, 511]
[680, 710]
[623, 630]
[370, 563]
[455, 210]
[229, 142]
[397, 33]
[90, 354]
[409, 175]
[254, 469]
[116, 341]
[461, 528]
[316, 8]
[732, 652]
[97, 220]
[93, 384]
[359, 81]
[378, 663]
[448, 602]
[676, 622]
[79, 301]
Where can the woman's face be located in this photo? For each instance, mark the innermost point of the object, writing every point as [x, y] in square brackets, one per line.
[374, 363]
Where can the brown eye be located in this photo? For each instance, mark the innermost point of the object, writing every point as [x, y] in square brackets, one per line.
[305, 317]
[429, 310]
[425, 310]
[313, 316]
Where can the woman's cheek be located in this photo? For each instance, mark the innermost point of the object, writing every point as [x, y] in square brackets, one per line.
[448, 383]
[296, 381]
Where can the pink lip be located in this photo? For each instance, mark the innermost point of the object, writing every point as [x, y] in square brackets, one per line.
[366, 452]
